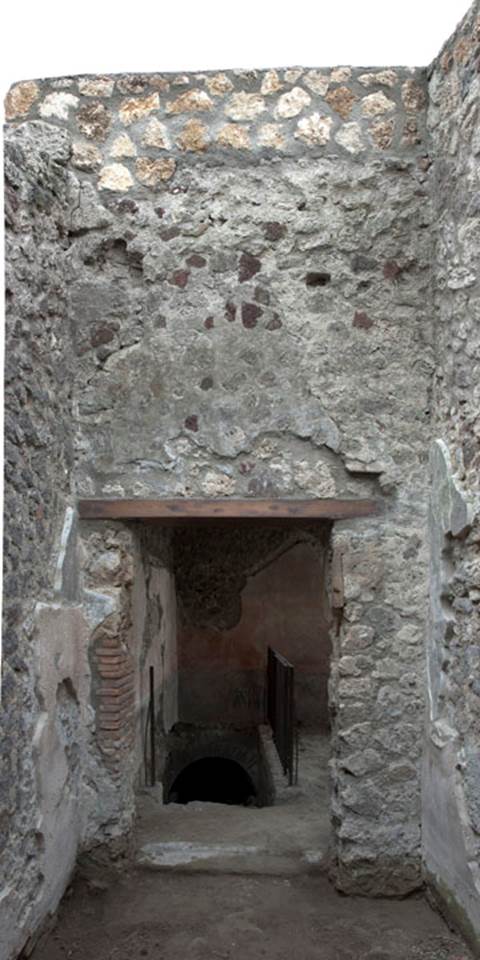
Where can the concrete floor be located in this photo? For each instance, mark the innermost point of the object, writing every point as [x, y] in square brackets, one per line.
[289, 838]
[214, 882]
[177, 916]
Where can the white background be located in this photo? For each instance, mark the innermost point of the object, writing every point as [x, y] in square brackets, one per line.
[60, 37]
[50, 38]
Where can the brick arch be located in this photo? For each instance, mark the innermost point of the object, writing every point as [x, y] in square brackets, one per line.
[213, 779]
[238, 746]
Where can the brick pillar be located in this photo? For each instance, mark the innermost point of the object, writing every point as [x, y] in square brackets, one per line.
[115, 728]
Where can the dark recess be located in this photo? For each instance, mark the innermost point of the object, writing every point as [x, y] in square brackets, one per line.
[213, 779]
[317, 278]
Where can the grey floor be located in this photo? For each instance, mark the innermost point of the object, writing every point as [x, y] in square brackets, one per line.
[288, 838]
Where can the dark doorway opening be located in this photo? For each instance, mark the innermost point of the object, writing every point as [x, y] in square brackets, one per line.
[213, 779]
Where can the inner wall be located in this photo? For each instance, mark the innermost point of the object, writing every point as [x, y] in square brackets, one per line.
[208, 601]
[240, 591]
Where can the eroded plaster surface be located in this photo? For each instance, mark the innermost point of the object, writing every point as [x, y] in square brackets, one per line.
[451, 822]
[38, 463]
[450, 790]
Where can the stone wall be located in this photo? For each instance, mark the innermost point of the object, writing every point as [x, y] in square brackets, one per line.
[251, 319]
[140, 131]
[69, 712]
[38, 463]
[451, 817]
[253, 310]
[235, 272]
[377, 697]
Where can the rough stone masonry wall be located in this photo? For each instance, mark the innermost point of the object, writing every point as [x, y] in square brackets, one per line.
[220, 311]
[197, 288]
[248, 276]
[38, 462]
[452, 767]
[62, 735]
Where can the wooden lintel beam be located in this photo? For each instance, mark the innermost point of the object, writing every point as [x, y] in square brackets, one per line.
[181, 510]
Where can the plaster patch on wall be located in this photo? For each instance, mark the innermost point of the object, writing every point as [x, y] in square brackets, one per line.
[66, 573]
[60, 744]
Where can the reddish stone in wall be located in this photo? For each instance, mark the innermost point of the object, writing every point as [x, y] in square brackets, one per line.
[362, 320]
[274, 231]
[249, 266]
[230, 311]
[250, 314]
[180, 278]
[196, 261]
[391, 270]
[191, 423]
